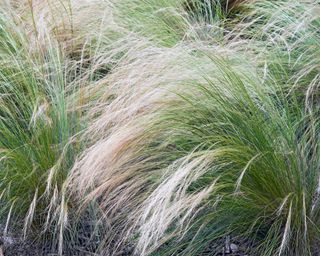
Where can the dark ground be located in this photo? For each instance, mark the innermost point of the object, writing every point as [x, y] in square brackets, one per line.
[13, 246]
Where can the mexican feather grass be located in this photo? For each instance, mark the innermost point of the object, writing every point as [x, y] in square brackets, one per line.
[161, 127]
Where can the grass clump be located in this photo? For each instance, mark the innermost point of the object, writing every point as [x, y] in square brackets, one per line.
[249, 170]
[41, 108]
[37, 121]
[233, 150]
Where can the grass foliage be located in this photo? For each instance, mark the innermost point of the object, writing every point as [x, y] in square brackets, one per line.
[160, 127]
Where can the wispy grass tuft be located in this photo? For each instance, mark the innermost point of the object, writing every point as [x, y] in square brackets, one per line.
[227, 147]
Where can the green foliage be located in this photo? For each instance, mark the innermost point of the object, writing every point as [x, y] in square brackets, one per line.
[37, 122]
[262, 148]
[161, 125]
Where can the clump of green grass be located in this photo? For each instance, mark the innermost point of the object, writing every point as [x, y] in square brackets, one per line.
[284, 35]
[35, 129]
[239, 157]
[53, 69]
[43, 98]
[168, 22]
[229, 149]
[249, 169]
